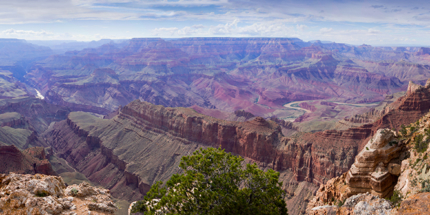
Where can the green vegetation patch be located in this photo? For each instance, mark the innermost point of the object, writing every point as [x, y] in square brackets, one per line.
[42, 193]
[396, 198]
[419, 144]
[215, 182]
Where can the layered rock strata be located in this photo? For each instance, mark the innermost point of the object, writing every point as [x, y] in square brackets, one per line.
[411, 179]
[123, 153]
[29, 161]
[376, 167]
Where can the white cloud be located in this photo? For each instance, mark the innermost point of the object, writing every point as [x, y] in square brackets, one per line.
[262, 29]
[326, 30]
[24, 33]
[301, 27]
[46, 35]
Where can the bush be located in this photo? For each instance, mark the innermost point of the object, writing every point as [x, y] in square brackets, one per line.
[42, 193]
[396, 198]
[425, 186]
[367, 148]
[74, 191]
[412, 129]
[340, 203]
[420, 145]
[215, 182]
[139, 206]
[403, 130]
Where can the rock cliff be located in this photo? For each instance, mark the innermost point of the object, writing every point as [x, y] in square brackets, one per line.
[389, 162]
[123, 153]
[29, 161]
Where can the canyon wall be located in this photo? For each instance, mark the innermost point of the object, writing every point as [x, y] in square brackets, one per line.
[143, 143]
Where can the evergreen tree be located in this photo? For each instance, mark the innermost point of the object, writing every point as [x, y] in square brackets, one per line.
[215, 182]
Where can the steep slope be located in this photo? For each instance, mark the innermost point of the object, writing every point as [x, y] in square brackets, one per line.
[123, 153]
[393, 164]
[29, 161]
[35, 114]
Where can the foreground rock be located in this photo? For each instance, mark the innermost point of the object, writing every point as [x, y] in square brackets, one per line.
[360, 204]
[393, 165]
[41, 194]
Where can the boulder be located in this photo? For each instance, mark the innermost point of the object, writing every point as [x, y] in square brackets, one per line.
[394, 169]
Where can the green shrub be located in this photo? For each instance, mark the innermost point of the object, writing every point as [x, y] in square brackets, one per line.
[367, 148]
[216, 182]
[419, 144]
[74, 191]
[42, 193]
[416, 162]
[396, 198]
[403, 130]
[425, 186]
[393, 142]
[412, 129]
[340, 203]
[139, 207]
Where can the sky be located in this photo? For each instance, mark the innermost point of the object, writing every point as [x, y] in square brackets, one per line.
[377, 22]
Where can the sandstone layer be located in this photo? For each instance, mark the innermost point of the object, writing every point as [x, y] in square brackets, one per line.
[376, 167]
[379, 169]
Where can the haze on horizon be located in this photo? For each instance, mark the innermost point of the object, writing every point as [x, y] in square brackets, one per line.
[380, 22]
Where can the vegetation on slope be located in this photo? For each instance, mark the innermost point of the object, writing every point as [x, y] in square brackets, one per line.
[215, 182]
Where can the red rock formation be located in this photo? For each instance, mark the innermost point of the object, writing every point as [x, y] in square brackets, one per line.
[312, 157]
[223, 73]
[307, 106]
[29, 161]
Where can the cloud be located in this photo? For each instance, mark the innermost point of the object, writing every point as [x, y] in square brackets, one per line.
[198, 26]
[326, 30]
[24, 33]
[377, 6]
[46, 35]
[261, 29]
[373, 31]
[301, 27]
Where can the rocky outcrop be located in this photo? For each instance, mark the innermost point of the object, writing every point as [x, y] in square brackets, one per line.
[307, 106]
[41, 194]
[381, 167]
[29, 161]
[412, 87]
[37, 113]
[360, 204]
[415, 204]
[376, 167]
[374, 172]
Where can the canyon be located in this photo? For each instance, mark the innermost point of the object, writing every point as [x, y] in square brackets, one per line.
[121, 115]
[123, 153]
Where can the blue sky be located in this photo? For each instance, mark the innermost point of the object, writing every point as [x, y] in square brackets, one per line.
[377, 22]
